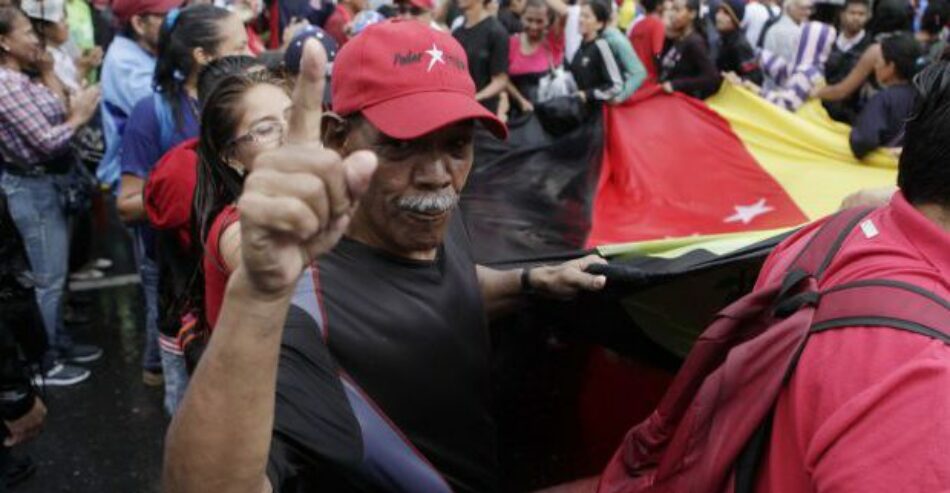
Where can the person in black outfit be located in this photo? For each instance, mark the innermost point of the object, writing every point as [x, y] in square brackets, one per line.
[735, 53]
[485, 42]
[686, 65]
[22, 345]
[881, 122]
[852, 41]
[362, 364]
[594, 68]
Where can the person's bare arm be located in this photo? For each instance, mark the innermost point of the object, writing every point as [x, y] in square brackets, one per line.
[295, 206]
[498, 84]
[229, 246]
[502, 290]
[130, 203]
[855, 79]
[558, 6]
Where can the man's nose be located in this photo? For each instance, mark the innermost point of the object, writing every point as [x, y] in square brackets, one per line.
[433, 173]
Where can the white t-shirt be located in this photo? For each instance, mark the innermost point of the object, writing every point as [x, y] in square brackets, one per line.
[572, 32]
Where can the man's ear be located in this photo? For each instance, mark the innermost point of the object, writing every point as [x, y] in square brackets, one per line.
[334, 130]
[138, 25]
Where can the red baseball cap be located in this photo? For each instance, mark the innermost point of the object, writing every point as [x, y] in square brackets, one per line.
[125, 9]
[422, 4]
[408, 80]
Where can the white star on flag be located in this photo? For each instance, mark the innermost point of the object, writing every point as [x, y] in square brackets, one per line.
[436, 55]
[746, 213]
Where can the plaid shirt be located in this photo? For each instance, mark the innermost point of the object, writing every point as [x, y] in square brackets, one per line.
[31, 118]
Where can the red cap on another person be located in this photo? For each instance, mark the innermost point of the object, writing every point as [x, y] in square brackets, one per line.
[423, 4]
[125, 9]
[408, 80]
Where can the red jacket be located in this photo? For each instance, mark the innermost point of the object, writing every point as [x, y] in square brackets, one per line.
[170, 190]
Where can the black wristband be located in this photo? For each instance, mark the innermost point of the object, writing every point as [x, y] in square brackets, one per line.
[526, 287]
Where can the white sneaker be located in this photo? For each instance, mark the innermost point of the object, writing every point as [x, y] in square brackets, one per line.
[61, 375]
[102, 264]
[87, 275]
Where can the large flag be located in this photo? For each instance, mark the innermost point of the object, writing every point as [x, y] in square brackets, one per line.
[676, 167]
[685, 199]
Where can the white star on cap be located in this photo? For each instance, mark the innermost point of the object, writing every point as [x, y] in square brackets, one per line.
[436, 55]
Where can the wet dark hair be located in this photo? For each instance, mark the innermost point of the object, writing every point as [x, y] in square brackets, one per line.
[193, 27]
[891, 16]
[935, 16]
[903, 51]
[924, 173]
[220, 68]
[699, 26]
[541, 4]
[218, 184]
[8, 16]
[651, 5]
[601, 10]
[863, 3]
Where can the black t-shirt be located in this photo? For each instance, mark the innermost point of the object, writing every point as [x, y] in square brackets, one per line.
[486, 45]
[383, 382]
[510, 21]
[686, 65]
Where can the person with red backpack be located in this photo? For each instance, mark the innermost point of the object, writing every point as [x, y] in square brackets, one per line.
[834, 373]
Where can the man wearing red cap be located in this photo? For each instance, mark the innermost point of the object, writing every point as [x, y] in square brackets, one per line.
[378, 353]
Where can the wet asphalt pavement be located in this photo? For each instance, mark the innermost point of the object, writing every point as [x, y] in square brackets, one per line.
[104, 435]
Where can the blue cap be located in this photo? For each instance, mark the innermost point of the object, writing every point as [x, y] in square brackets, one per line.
[295, 50]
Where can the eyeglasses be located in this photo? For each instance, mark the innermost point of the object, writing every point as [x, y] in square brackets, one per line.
[266, 132]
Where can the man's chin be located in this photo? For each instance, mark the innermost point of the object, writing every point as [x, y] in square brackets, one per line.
[423, 231]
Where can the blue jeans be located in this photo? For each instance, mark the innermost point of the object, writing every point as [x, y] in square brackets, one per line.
[37, 210]
[148, 270]
[176, 380]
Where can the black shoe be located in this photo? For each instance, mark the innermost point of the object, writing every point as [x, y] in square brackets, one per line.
[19, 469]
[82, 353]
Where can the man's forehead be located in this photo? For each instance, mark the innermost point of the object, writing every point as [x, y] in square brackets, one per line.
[460, 127]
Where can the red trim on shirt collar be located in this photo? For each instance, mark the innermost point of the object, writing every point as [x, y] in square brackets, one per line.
[929, 238]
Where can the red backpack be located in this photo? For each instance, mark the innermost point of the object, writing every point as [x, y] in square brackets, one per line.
[712, 426]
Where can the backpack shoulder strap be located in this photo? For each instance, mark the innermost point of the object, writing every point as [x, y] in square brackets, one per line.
[821, 249]
[773, 19]
[884, 303]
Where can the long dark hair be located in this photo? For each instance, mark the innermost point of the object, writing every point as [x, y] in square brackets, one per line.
[218, 183]
[699, 24]
[601, 10]
[8, 16]
[212, 74]
[891, 16]
[197, 26]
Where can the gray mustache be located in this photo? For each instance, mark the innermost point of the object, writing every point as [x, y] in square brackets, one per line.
[430, 203]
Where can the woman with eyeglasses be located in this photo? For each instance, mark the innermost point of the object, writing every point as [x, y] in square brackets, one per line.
[244, 116]
[190, 39]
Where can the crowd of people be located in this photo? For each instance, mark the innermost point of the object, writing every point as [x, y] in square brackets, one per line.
[244, 143]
